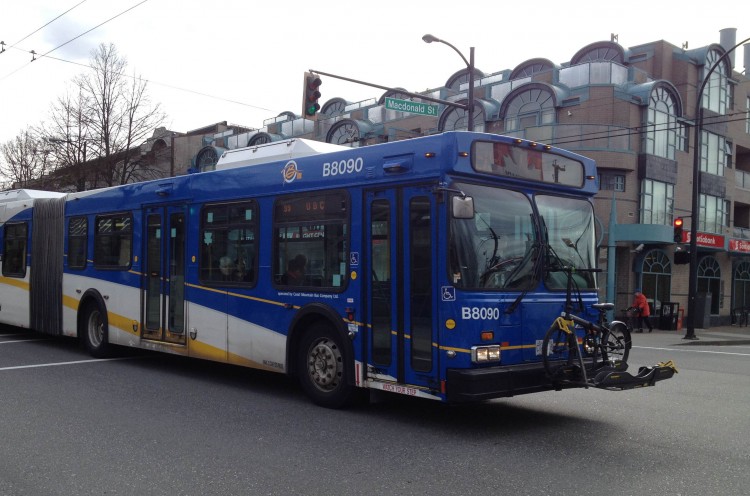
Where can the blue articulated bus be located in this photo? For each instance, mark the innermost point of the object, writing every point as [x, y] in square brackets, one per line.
[415, 267]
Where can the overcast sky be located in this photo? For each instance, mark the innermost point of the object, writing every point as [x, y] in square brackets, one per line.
[243, 61]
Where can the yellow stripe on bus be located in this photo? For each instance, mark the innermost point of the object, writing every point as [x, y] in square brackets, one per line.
[213, 353]
[114, 319]
[12, 281]
[71, 302]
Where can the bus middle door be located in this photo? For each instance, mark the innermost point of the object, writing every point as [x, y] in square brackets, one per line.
[402, 351]
[163, 317]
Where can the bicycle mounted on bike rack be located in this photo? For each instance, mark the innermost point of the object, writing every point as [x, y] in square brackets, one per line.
[599, 359]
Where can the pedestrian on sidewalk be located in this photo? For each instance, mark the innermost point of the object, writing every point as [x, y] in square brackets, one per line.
[642, 310]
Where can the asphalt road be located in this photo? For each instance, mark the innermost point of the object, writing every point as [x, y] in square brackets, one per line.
[156, 424]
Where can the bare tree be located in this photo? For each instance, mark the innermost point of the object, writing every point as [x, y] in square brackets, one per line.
[98, 131]
[25, 159]
[121, 116]
[67, 135]
[141, 118]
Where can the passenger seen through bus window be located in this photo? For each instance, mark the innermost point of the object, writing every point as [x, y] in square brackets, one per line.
[295, 272]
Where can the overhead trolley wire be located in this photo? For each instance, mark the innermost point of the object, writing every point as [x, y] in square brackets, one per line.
[34, 54]
[594, 135]
[47, 55]
[47, 24]
[167, 85]
[95, 27]
[639, 130]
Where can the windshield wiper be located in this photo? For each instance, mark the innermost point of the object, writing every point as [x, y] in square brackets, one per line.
[535, 248]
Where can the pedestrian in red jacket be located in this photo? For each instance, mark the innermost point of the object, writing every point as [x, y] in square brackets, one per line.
[641, 306]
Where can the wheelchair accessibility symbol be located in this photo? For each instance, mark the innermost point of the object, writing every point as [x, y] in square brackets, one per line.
[449, 293]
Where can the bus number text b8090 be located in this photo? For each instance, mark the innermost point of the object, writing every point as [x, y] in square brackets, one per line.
[343, 167]
[480, 313]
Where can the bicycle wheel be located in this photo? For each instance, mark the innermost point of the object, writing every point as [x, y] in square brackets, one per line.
[616, 343]
[560, 354]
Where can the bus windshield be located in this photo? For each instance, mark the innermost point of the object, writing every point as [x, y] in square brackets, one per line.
[570, 236]
[497, 248]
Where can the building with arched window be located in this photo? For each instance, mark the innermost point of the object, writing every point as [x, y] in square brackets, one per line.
[633, 110]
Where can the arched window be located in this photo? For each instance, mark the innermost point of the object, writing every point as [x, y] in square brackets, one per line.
[715, 92]
[661, 124]
[333, 107]
[457, 79]
[206, 159]
[260, 138]
[709, 281]
[741, 290]
[602, 51]
[454, 118]
[656, 279]
[529, 108]
[531, 67]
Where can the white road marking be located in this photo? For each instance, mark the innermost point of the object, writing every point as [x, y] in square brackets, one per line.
[685, 350]
[22, 341]
[64, 363]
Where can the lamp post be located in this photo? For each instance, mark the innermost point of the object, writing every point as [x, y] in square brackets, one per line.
[693, 282]
[428, 38]
[79, 162]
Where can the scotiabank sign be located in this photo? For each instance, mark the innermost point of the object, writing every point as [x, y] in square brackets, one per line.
[740, 245]
[709, 240]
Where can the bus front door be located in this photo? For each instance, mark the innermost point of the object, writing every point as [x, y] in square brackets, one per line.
[402, 351]
[163, 315]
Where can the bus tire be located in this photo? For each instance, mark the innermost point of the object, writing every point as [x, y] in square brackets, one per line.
[95, 331]
[321, 367]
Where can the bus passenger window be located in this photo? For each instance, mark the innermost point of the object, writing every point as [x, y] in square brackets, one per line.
[316, 226]
[113, 241]
[14, 250]
[77, 241]
[228, 244]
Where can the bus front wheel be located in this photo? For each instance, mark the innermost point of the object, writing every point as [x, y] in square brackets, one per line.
[321, 360]
[95, 331]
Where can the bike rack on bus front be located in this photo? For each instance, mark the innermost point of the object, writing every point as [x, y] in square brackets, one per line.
[620, 380]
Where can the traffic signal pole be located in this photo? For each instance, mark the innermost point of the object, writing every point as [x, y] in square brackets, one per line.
[399, 90]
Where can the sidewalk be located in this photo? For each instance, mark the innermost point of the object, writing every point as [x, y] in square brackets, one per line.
[714, 336]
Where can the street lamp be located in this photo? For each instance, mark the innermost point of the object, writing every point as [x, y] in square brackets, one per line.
[59, 141]
[693, 282]
[428, 38]
[80, 162]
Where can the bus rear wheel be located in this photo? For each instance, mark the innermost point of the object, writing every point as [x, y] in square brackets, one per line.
[321, 367]
[95, 330]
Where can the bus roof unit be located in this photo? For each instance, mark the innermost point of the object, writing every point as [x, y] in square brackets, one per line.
[278, 150]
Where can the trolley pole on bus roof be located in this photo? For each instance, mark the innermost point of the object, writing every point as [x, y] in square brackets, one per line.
[428, 38]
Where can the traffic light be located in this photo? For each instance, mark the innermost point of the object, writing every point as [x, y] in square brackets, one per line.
[678, 230]
[310, 105]
[681, 255]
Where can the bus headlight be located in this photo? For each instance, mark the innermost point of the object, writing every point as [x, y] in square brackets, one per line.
[485, 354]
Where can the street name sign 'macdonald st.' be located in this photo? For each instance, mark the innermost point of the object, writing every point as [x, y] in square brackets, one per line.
[411, 107]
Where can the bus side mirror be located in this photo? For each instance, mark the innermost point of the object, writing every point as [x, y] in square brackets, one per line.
[462, 207]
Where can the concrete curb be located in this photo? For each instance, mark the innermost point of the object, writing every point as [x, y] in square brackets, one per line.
[715, 336]
[709, 342]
